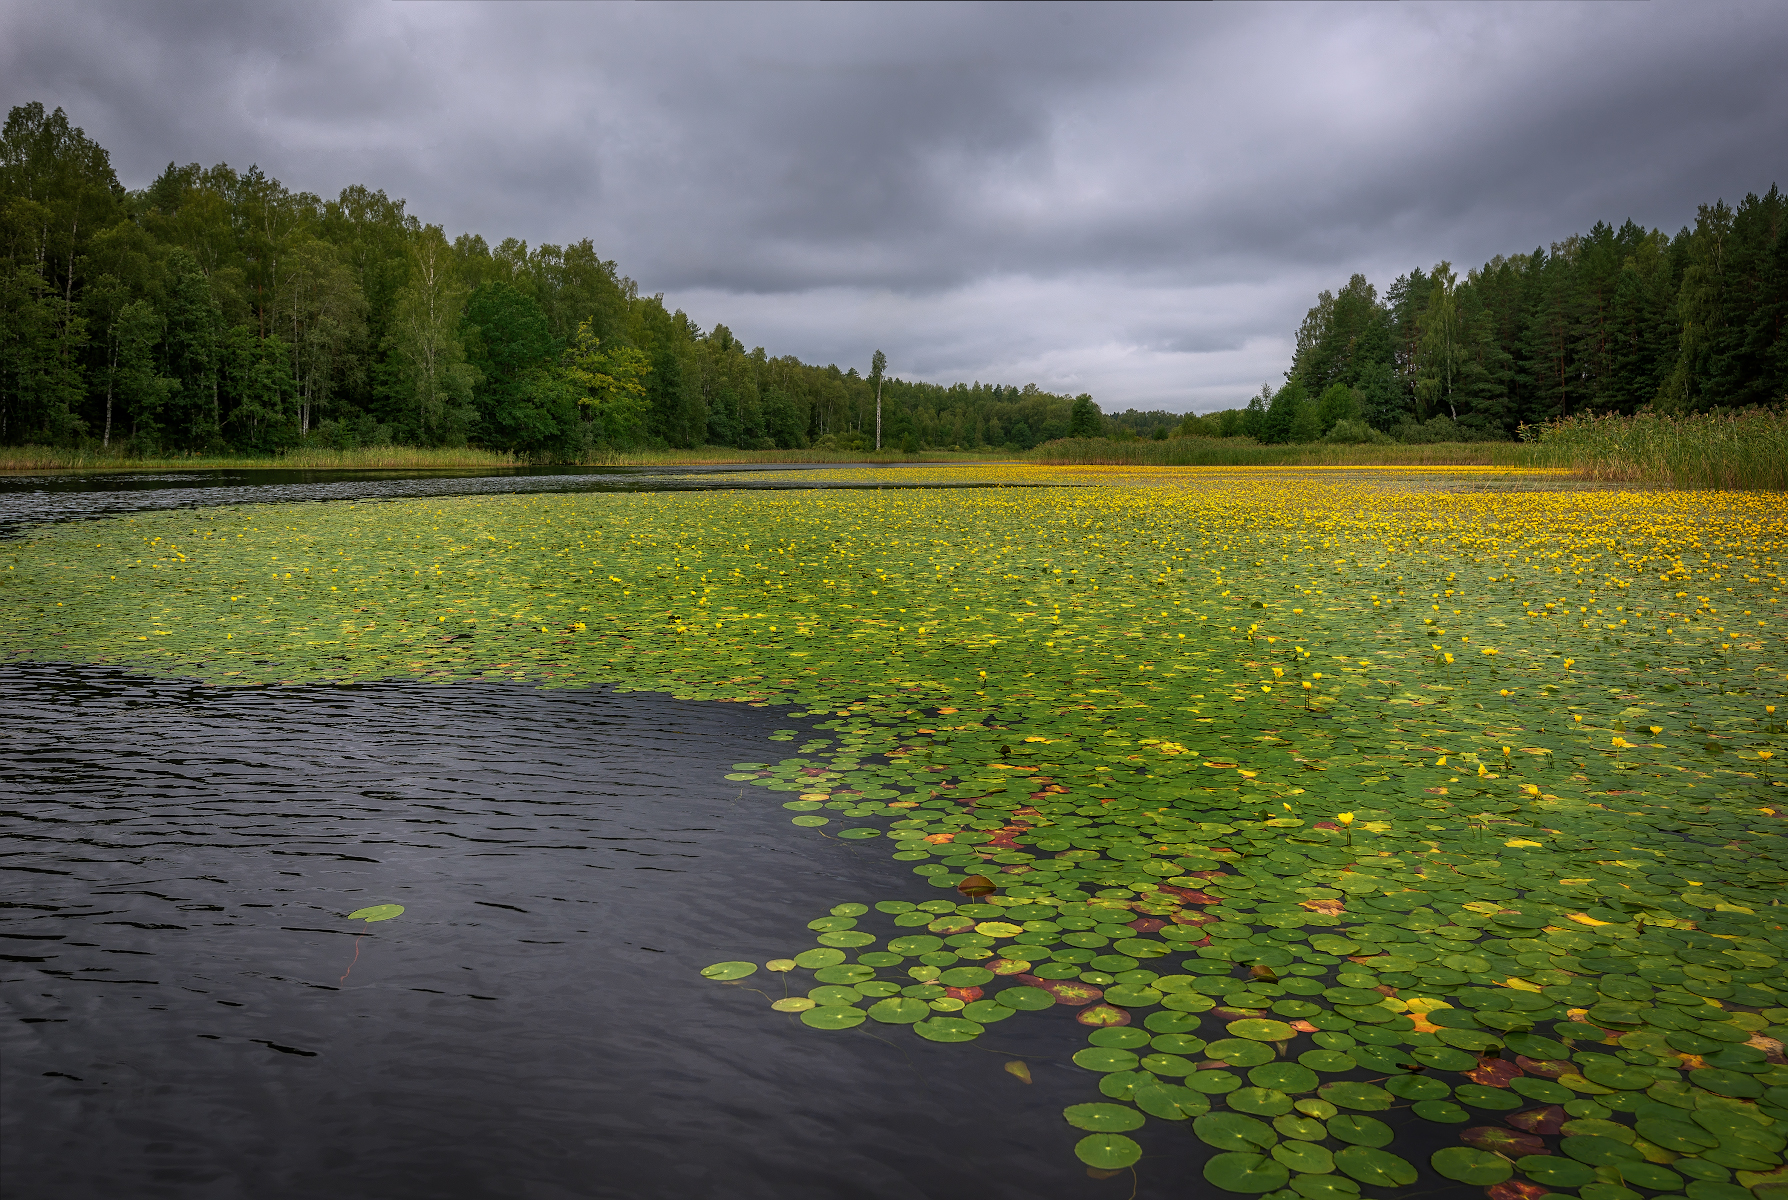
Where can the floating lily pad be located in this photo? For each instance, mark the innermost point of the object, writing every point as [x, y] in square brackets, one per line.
[833, 1017]
[1443, 1112]
[1107, 1151]
[961, 977]
[1495, 1099]
[1239, 1052]
[1375, 1168]
[813, 959]
[1103, 1118]
[1359, 1131]
[1171, 1102]
[725, 971]
[948, 1029]
[1246, 1173]
[986, 1012]
[1364, 1097]
[899, 1010]
[1026, 998]
[1260, 1030]
[1555, 1171]
[1726, 1083]
[1286, 1077]
[379, 912]
[793, 1004]
[1304, 1157]
[1478, 1168]
[1106, 1058]
[1232, 1131]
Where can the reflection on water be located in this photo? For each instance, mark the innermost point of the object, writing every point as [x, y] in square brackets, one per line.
[179, 861]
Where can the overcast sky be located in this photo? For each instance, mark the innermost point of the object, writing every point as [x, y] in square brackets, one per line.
[1139, 202]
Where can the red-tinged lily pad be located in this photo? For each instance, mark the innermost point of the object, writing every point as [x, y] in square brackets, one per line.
[1546, 1068]
[1515, 1189]
[1502, 1141]
[1494, 1072]
[1102, 1015]
[1147, 924]
[1547, 1121]
[1066, 991]
[968, 995]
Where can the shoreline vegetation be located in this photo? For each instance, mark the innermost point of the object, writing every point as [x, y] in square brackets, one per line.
[1746, 450]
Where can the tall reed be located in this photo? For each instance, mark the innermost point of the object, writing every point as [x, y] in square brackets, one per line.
[1745, 449]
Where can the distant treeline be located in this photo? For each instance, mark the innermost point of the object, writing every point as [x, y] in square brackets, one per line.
[217, 311]
[1608, 322]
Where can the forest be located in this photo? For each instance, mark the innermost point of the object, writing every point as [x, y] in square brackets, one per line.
[1608, 322]
[217, 311]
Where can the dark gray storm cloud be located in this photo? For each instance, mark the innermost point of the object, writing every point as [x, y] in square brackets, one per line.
[1135, 201]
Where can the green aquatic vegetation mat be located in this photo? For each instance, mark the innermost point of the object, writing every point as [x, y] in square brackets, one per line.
[1323, 806]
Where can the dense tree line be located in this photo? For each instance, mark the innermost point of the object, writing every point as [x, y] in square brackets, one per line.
[218, 311]
[1607, 322]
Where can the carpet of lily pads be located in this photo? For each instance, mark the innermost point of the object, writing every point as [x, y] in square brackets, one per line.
[1311, 797]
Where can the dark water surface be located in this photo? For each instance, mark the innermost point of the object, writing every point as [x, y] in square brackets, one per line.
[178, 861]
[27, 500]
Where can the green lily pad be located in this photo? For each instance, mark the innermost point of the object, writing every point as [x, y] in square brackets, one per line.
[1726, 1083]
[1479, 1096]
[1259, 1029]
[964, 977]
[1478, 1168]
[1245, 1173]
[849, 974]
[1168, 1064]
[948, 1029]
[1107, 1151]
[1555, 1171]
[1332, 1061]
[1649, 1175]
[1029, 999]
[1359, 1131]
[915, 944]
[1597, 1151]
[1171, 1102]
[809, 821]
[1444, 1058]
[1232, 1131]
[1284, 1076]
[899, 1010]
[1213, 1083]
[384, 912]
[1374, 1167]
[1105, 1058]
[850, 939]
[1239, 1052]
[1364, 1097]
[1306, 1158]
[834, 1016]
[1417, 1087]
[1124, 1085]
[1618, 1076]
[861, 831]
[1259, 1101]
[1679, 1137]
[1123, 1037]
[1535, 1047]
[725, 971]
[1442, 1112]
[986, 1013]
[1103, 1118]
[813, 959]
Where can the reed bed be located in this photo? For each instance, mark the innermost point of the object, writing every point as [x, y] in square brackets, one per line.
[1239, 452]
[1740, 450]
